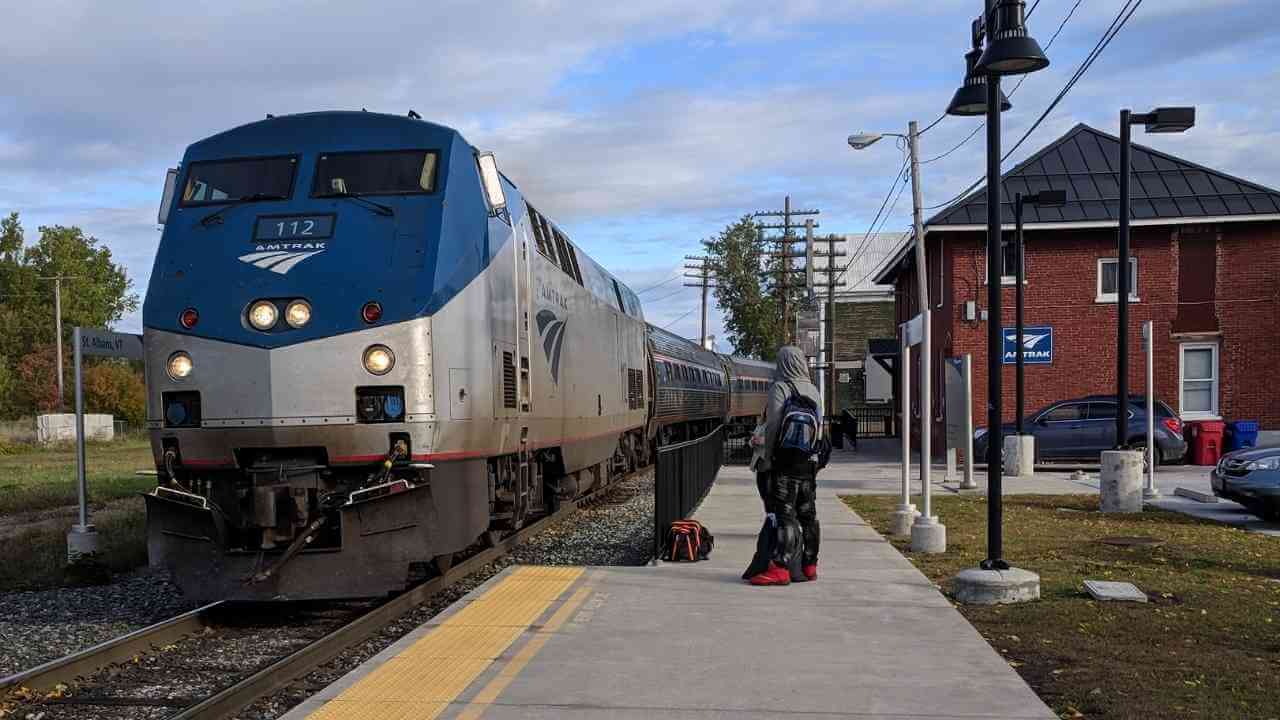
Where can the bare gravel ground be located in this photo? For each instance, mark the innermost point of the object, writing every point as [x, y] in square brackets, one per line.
[615, 530]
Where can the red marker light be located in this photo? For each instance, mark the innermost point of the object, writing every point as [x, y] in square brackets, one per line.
[371, 312]
[189, 318]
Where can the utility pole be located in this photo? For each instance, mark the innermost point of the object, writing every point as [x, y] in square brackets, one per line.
[57, 321]
[704, 273]
[782, 281]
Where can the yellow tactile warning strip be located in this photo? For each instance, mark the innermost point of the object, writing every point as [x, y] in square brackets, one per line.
[494, 688]
[425, 677]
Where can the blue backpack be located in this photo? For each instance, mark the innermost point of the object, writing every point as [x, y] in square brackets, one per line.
[799, 433]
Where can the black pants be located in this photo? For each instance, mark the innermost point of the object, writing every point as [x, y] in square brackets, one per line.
[791, 499]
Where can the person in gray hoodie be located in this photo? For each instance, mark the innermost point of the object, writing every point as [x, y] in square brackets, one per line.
[789, 496]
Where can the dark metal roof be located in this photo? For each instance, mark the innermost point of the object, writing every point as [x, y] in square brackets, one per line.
[1086, 164]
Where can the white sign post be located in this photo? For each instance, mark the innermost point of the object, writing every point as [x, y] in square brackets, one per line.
[1148, 342]
[82, 540]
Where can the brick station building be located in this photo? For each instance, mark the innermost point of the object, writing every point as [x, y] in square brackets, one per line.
[1205, 269]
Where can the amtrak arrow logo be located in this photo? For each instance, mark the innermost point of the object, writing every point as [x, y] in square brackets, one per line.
[281, 257]
[551, 329]
[1029, 342]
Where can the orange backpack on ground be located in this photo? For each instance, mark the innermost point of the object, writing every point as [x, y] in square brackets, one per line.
[688, 541]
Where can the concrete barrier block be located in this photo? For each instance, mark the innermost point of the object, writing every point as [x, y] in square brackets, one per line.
[61, 427]
[1121, 481]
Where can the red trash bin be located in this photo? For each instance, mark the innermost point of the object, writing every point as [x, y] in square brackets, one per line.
[1206, 441]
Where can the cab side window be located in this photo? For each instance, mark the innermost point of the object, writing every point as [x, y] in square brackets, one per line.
[540, 236]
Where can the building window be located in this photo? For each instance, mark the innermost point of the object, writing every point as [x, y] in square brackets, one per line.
[1198, 380]
[1009, 261]
[1109, 280]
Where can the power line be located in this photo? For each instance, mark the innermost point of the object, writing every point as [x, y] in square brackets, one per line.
[871, 229]
[664, 297]
[678, 319]
[861, 249]
[655, 287]
[1130, 7]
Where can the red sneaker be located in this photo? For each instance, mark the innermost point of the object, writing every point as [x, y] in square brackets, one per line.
[775, 575]
[811, 571]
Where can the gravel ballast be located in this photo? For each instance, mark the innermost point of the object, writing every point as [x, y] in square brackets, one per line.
[616, 529]
[43, 625]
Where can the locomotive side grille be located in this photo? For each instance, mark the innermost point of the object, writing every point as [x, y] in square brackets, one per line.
[508, 380]
[635, 389]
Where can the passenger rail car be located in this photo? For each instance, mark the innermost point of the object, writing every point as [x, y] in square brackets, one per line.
[748, 393]
[366, 349]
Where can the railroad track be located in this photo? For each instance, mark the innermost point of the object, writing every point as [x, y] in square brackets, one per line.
[225, 703]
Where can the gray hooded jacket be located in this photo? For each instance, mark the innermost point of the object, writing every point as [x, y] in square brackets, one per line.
[793, 369]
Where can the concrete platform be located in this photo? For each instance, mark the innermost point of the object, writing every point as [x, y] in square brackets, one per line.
[872, 638]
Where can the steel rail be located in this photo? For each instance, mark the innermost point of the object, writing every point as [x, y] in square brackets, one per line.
[65, 670]
[234, 698]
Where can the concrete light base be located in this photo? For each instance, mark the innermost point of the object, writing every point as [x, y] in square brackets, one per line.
[903, 517]
[1151, 493]
[1020, 456]
[928, 536]
[82, 543]
[1121, 481]
[976, 586]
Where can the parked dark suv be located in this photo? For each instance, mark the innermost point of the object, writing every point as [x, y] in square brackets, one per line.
[1082, 428]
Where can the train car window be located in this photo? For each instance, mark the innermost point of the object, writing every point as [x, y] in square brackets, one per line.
[243, 180]
[394, 172]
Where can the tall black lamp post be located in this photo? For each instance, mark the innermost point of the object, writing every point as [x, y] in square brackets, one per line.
[1044, 198]
[1160, 120]
[1009, 51]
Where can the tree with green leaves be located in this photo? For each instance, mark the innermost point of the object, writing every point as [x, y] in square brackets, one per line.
[98, 294]
[751, 313]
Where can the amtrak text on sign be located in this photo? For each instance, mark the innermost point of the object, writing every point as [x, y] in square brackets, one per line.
[1037, 345]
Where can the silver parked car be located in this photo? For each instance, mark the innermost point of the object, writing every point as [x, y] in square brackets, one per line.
[1251, 477]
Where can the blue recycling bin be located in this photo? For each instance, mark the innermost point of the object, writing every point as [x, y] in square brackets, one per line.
[1242, 434]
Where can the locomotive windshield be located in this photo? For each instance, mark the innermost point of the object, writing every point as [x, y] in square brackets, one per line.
[227, 181]
[397, 172]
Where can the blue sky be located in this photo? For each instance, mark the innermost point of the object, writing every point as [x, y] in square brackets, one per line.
[643, 127]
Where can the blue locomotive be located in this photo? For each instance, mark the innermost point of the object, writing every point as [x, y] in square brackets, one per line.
[367, 351]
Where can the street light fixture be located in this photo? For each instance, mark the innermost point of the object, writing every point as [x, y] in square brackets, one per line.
[927, 534]
[971, 98]
[1160, 120]
[1044, 198]
[862, 141]
[1010, 50]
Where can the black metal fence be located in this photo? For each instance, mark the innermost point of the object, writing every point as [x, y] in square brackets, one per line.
[737, 450]
[871, 422]
[683, 475]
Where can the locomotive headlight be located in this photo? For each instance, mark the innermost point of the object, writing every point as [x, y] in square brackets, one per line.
[298, 313]
[263, 315]
[378, 359]
[179, 365]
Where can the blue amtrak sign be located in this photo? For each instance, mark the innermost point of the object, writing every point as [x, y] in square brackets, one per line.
[1037, 345]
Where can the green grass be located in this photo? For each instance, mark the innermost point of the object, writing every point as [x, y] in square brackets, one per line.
[1207, 645]
[37, 505]
[34, 478]
[37, 558]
